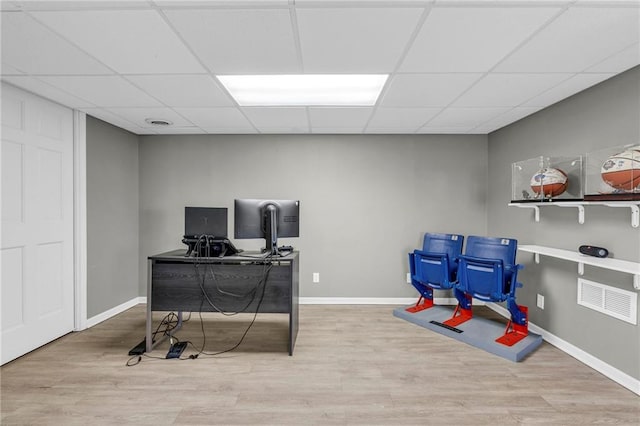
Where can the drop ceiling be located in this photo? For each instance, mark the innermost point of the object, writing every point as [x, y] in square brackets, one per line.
[455, 66]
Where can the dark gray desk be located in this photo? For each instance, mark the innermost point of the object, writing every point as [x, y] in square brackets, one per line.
[174, 284]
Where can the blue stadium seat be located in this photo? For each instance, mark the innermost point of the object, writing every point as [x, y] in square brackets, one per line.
[488, 271]
[434, 267]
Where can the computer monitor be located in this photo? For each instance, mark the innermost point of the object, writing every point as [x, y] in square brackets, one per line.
[200, 221]
[268, 219]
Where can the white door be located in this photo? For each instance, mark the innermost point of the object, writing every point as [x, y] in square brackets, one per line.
[37, 296]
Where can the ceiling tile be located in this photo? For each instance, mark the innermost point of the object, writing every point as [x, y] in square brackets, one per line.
[377, 3]
[426, 90]
[209, 118]
[139, 115]
[282, 130]
[434, 130]
[34, 49]
[505, 119]
[385, 130]
[9, 5]
[183, 90]
[173, 130]
[32, 84]
[220, 3]
[239, 41]
[465, 117]
[336, 130]
[104, 91]
[364, 40]
[567, 88]
[128, 41]
[116, 120]
[502, 3]
[619, 62]
[278, 119]
[9, 70]
[82, 5]
[409, 119]
[339, 117]
[508, 90]
[222, 130]
[607, 3]
[471, 39]
[578, 39]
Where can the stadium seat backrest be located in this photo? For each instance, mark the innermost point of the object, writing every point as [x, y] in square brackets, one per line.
[492, 248]
[487, 267]
[449, 244]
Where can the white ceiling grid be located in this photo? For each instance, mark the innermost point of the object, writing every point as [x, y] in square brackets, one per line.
[456, 66]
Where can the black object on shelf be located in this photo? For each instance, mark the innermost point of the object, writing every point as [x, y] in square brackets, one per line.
[594, 251]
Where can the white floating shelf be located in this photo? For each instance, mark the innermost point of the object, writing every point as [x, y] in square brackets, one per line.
[633, 205]
[626, 266]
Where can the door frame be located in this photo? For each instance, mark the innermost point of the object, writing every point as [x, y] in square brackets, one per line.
[80, 219]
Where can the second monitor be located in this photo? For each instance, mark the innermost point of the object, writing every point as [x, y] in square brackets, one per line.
[205, 221]
[205, 232]
[268, 219]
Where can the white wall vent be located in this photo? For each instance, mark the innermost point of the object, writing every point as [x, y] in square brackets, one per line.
[612, 301]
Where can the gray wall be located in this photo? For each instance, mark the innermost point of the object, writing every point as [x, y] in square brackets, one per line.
[606, 115]
[366, 201]
[112, 216]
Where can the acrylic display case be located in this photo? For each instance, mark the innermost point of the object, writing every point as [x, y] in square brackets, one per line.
[547, 179]
[613, 174]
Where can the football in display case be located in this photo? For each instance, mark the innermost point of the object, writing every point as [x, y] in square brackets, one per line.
[613, 174]
[543, 179]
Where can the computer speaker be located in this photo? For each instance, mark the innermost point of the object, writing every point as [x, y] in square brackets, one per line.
[594, 251]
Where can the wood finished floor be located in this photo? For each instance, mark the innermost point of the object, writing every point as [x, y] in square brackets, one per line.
[353, 365]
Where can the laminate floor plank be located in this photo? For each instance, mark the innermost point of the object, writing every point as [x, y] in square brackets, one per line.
[352, 365]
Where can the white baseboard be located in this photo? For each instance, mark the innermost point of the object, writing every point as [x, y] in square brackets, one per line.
[370, 301]
[597, 364]
[115, 311]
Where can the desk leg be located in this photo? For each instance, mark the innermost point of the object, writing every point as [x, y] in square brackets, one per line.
[293, 305]
[293, 324]
[148, 338]
[148, 334]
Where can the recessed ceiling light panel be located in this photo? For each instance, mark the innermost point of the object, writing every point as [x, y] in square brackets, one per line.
[305, 89]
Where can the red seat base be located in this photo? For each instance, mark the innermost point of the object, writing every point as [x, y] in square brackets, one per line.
[460, 315]
[515, 332]
[420, 305]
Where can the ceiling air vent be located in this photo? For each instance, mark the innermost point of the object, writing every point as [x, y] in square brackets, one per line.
[158, 122]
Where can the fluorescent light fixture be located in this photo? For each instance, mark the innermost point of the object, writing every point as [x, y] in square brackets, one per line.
[305, 89]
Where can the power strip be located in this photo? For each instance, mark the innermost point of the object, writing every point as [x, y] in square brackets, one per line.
[176, 350]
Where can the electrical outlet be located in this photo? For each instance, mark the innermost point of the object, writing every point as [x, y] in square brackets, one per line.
[316, 277]
[408, 278]
[540, 301]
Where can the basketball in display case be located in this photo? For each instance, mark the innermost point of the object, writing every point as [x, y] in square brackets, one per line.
[613, 174]
[549, 182]
[543, 179]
